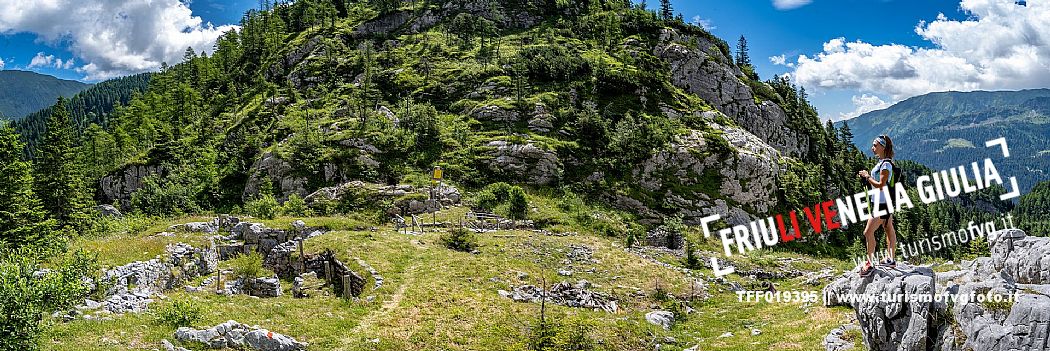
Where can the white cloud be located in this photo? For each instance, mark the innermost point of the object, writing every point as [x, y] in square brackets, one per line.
[779, 60]
[50, 61]
[1001, 45]
[790, 4]
[864, 104]
[112, 37]
[705, 23]
[1, 63]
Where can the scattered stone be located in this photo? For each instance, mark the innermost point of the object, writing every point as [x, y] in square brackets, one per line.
[564, 293]
[168, 346]
[726, 335]
[755, 332]
[564, 272]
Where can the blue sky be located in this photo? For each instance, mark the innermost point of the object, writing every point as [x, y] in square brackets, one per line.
[852, 56]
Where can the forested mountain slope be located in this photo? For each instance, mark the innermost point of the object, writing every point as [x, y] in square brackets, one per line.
[24, 92]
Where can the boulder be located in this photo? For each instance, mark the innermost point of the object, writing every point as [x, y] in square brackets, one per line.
[108, 211]
[662, 318]
[234, 335]
[564, 293]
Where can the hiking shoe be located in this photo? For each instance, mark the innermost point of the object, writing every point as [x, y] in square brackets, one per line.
[888, 263]
[867, 269]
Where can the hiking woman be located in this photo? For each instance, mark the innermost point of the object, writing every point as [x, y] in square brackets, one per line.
[879, 177]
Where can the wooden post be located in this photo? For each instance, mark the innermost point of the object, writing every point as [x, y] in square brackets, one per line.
[302, 257]
[346, 286]
[327, 272]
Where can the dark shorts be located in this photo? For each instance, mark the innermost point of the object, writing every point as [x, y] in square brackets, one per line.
[886, 216]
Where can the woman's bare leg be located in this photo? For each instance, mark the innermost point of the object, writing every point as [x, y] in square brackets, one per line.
[869, 237]
[891, 239]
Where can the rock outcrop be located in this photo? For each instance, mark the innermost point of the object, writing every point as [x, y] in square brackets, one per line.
[727, 171]
[270, 168]
[118, 186]
[982, 306]
[700, 67]
[527, 162]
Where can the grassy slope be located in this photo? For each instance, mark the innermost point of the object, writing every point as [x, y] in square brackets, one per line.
[436, 298]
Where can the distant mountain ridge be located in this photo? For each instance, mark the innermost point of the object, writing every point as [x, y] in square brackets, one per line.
[946, 129]
[24, 92]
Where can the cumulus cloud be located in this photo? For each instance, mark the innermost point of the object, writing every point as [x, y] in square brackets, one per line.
[1002, 45]
[790, 4]
[112, 37]
[864, 104]
[705, 23]
[778, 60]
[1, 63]
[50, 61]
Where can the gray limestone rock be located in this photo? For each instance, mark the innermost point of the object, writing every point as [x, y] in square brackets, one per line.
[525, 162]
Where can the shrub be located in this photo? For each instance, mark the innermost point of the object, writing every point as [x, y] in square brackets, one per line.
[553, 334]
[492, 196]
[170, 196]
[503, 198]
[179, 313]
[460, 239]
[249, 266]
[517, 205]
[25, 298]
[295, 207]
[691, 260]
[264, 207]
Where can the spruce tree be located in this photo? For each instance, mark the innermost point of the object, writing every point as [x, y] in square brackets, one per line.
[22, 220]
[666, 11]
[58, 175]
[742, 58]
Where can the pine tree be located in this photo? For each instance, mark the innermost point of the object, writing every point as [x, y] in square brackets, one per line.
[22, 220]
[742, 58]
[58, 175]
[666, 12]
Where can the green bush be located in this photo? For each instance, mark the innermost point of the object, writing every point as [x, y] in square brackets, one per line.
[179, 313]
[295, 207]
[171, 196]
[249, 266]
[460, 239]
[691, 260]
[517, 205]
[264, 207]
[505, 199]
[25, 299]
[556, 334]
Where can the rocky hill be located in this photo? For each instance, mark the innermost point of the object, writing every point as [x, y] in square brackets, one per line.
[647, 114]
